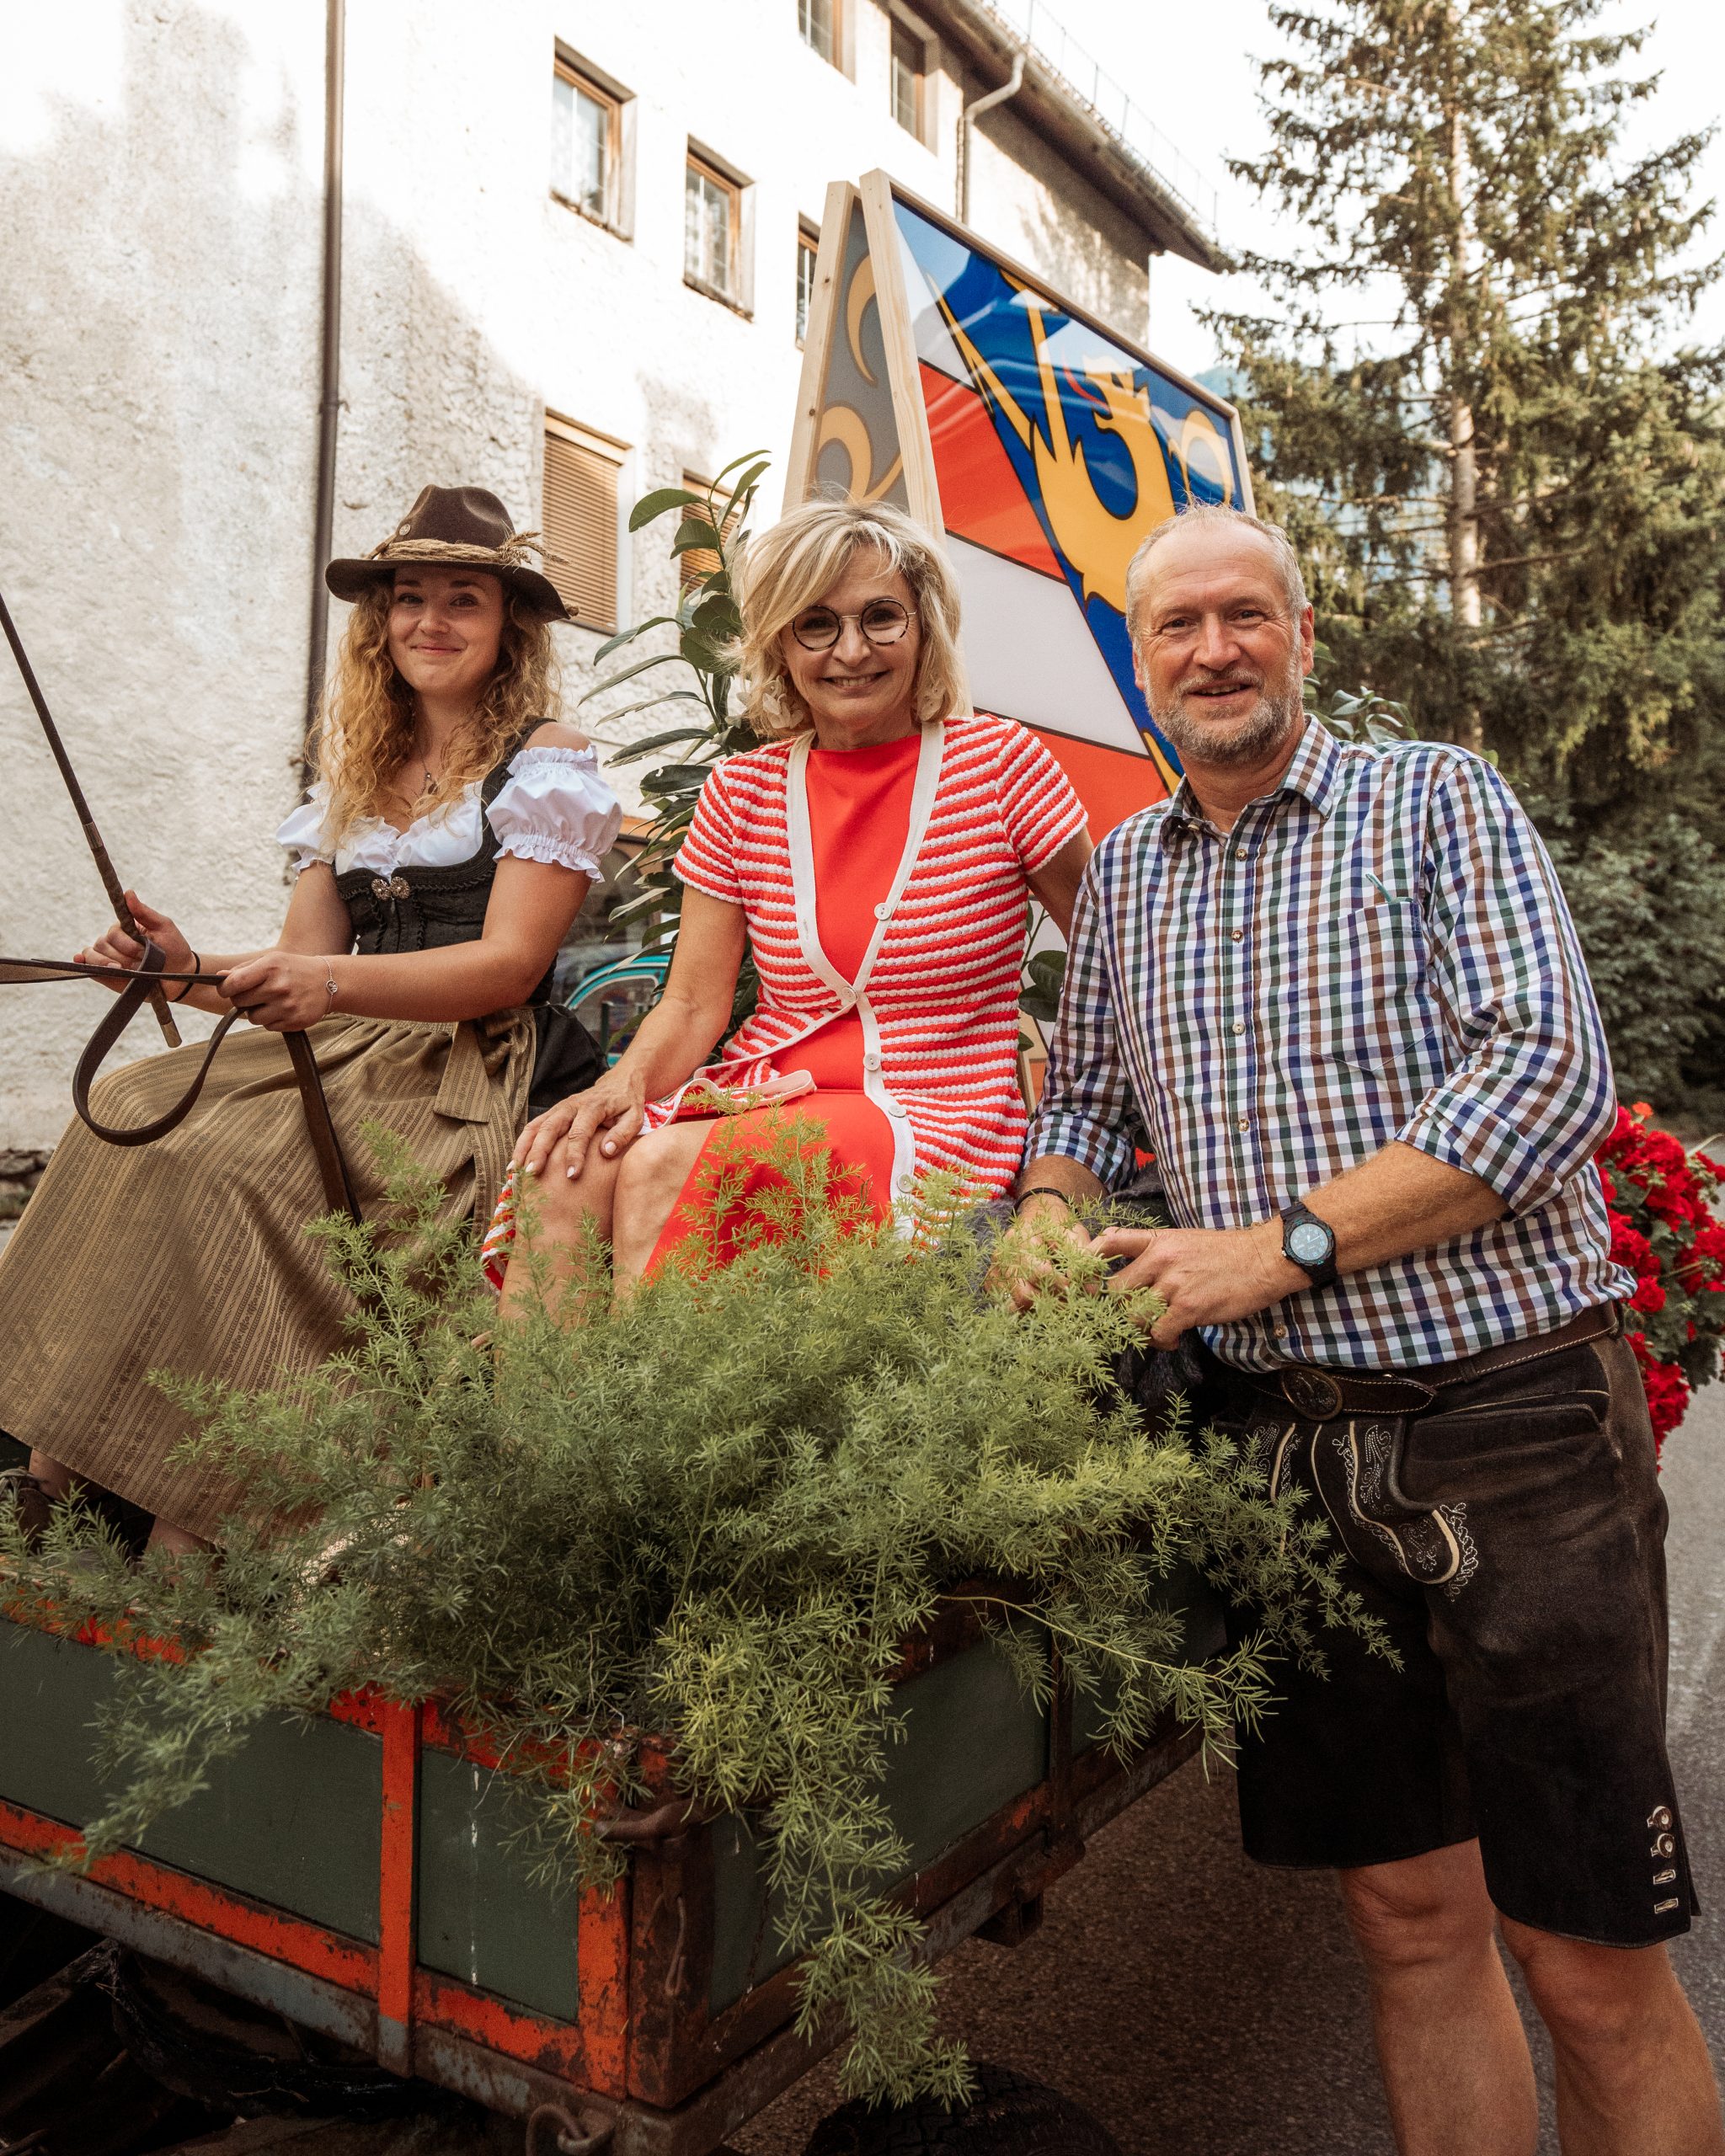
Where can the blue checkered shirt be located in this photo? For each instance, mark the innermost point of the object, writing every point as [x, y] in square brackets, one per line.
[1377, 950]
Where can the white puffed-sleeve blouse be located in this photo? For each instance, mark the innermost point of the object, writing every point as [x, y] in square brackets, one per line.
[552, 807]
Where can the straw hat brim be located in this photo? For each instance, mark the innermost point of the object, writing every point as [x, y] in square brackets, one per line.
[349, 578]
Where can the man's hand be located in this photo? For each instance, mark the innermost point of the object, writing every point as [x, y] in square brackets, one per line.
[1021, 1265]
[1206, 1276]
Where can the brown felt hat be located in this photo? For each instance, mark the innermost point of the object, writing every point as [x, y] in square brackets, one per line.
[455, 527]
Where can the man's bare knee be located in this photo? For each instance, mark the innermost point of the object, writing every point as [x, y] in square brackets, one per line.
[1418, 1913]
[1593, 1999]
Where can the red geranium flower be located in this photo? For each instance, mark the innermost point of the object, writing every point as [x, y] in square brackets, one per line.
[1659, 1204]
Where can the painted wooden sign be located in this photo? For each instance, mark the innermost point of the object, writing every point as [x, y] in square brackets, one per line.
[1039, 445]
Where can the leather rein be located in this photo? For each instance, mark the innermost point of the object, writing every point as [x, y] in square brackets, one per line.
[139, 987]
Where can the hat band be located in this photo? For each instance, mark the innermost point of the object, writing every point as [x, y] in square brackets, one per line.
[513, 554]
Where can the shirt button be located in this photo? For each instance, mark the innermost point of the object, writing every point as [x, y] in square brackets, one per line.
[1237, 935]
[1239, 1025]
[1239, 853]
[1245, 1122]
[1281, 1332]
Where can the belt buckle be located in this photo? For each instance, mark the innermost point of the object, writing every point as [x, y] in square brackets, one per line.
[1315, 1393]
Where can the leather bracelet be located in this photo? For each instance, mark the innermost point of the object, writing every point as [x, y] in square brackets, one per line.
[187, 987]
[1041, 1190]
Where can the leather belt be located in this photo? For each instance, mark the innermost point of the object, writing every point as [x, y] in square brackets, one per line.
[1318, 1395]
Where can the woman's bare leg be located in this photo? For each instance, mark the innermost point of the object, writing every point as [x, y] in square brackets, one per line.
[649, 1182]
[567, 1210]
[54, 1478]
[165, 1535]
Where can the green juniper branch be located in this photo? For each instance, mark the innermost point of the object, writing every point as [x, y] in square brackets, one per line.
[709, 1515]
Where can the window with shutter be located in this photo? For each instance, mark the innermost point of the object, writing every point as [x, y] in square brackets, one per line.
[908, 61]
[700, 561]
[580, 519]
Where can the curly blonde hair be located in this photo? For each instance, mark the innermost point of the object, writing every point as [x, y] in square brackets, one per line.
[365, 731]
[794, 563]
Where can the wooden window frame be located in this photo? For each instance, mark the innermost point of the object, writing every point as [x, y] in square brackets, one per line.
[585, 83]
[808, 251]
[607, 449]
[736, 188]
[836, 58]
[900, 28]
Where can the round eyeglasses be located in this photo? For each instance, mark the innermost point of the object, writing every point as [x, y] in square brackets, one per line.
[882, 621]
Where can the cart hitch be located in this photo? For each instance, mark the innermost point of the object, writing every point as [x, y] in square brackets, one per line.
[552, 2131]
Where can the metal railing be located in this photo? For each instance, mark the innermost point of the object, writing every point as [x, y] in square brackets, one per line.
[1033, 23]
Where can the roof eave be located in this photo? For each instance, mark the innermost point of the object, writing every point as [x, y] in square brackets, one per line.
[1047, 103]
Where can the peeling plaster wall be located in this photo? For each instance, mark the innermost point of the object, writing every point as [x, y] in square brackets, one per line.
[160, 186]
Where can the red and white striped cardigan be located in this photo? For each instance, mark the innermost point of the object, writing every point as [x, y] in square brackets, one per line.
[937, 992]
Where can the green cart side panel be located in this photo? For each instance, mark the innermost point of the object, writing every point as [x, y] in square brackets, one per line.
[973, 1742]
[1204, 1636]
[480, 1921]
[294, 1819]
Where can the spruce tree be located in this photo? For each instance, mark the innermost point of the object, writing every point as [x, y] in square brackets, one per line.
[1509, 491]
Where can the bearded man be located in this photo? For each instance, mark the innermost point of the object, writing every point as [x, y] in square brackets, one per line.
[1336, 992]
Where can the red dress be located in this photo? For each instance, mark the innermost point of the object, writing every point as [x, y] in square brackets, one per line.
[859, 812]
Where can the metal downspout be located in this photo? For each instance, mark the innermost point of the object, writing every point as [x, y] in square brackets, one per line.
[1009, 89]
[329, 393]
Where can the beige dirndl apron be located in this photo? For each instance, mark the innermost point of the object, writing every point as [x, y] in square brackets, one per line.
[191, 1255]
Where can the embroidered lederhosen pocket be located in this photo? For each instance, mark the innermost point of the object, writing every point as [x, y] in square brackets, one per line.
[1532, 1443]
[1356, 1464]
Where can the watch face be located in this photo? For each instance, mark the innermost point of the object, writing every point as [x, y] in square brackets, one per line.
[1309, 1244]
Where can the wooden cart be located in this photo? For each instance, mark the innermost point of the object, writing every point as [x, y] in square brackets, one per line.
[356, 1872]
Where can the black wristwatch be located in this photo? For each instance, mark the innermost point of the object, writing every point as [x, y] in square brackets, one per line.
[1309, 1243]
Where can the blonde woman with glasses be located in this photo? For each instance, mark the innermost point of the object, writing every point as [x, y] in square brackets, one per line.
[875, 853]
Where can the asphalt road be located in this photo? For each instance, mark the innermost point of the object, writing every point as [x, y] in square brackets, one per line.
[1201, 2007]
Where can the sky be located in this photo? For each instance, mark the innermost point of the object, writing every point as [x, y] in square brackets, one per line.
[1191, 68]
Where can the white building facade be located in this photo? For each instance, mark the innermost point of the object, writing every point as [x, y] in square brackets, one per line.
[574, 242]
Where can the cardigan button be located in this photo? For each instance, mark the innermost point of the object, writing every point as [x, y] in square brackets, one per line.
[871, 1062]
[883, 911]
